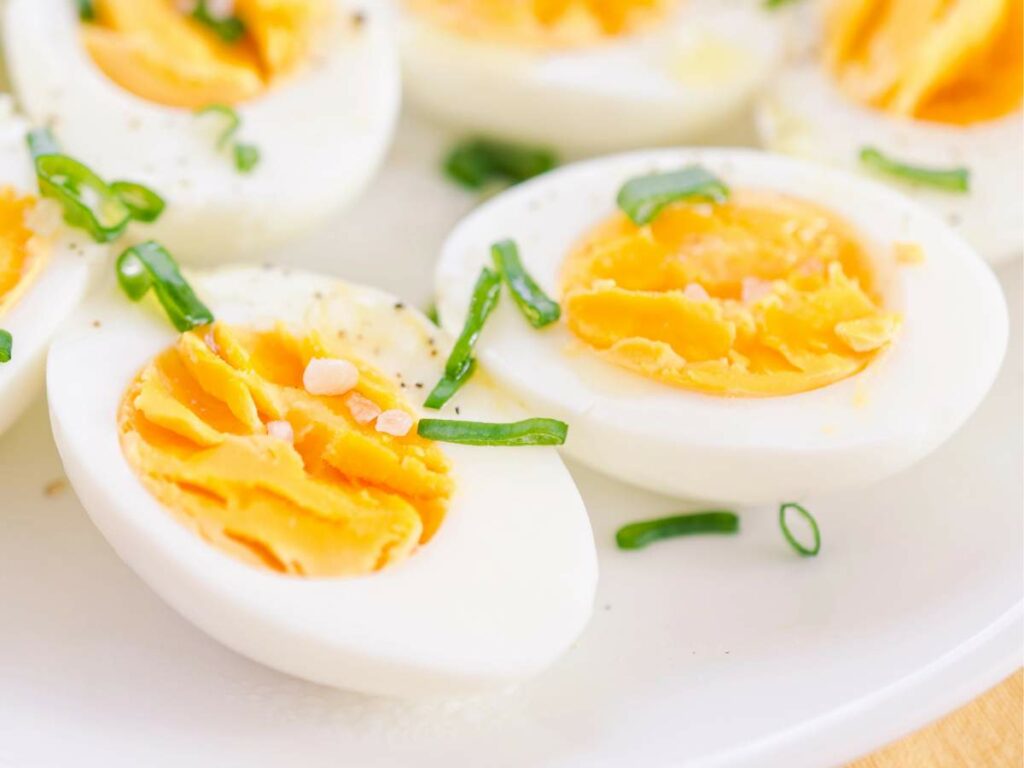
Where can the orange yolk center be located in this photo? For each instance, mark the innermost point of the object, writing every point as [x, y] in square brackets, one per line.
[158, 52]
[763, 295]
[336, 497]
[23, 253]
[950, 61]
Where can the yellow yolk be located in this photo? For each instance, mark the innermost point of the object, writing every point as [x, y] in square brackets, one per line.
[543, 23]
[22, 252]
[160, 53]
[339, 499]
[950, 61]
[763, 295]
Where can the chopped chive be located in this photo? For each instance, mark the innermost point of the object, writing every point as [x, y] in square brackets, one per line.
[539, 309]
[228, 28]
[528, 432]
[247, 157]
[149, 265]
[643, 198]
[86, 10]
[784, 525]
[144, 204]
[771, 5]
[947, 179]
[432, 315]
[476, 162]
[446, 388]
[6, 344]
[639, 535]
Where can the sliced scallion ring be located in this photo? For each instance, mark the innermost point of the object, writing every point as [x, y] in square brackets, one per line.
[232, 121]
[528, 432]
[149, 265]
[538, 308]
[247, 157]
[86, 10]
[643, 198]
[230, 29]
[476, 162]
[6, 345]
[956, 180]
[806, 551]
[639, 535]
[144, 204]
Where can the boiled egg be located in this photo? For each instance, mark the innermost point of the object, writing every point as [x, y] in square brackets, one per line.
[45, 269]
[314, 84]
[265, 476]
[810, 331]
[585, 75]
[932, 85]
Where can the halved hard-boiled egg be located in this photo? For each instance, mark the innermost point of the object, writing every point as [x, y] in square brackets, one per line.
[786, 329]
[254, 125]
[266, 476]
[45, 269]
[587, 75]
[934, 86]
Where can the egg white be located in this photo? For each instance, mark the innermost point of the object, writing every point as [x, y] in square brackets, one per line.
[694, 73]
[745, 450]
[803, 113]
[502, 589]
[321, 135]
[54, 292]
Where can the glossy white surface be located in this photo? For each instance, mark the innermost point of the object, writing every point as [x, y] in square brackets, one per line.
[712, 651]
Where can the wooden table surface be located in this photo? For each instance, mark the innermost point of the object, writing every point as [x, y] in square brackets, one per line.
[987, 733]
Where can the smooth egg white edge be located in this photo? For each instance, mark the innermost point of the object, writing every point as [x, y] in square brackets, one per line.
[504, 587]
[744, 450]
[614, 95]
[321, 135]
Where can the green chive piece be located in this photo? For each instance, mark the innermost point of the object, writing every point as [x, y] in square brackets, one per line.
[446, 388]
[149, 265]
[432, 314]
[528, 432]
[86, 10]
[476, 162]
[771, 5]
[247, 157]
[643, 198]
[639, 535]
[784, 525]
[536, 306]
[230, 29]
[144, 204]
[957, 180]
[6, 344]
[232, 121]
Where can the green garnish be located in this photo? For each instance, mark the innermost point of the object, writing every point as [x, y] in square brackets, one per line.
[771, 5]
[784, 525]
[432, 315]
[246, 156]
[6, 343]
[643, 198]
[639, 535]
[528, 432]
[539, 309]
[86, 10]
[476, 162]
[948, 179]
[228, 28]
[144, 204]
[458, 368]
[149, 265]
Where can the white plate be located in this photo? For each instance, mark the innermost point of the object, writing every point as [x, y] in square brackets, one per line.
[729, 651]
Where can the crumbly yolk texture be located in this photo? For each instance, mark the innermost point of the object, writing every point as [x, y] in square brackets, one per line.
[23, 253]
[157, 51]
[342, 499]
[949, 61]
[763, 295]
[544, 23]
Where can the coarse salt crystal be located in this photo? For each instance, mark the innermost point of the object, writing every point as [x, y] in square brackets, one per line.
[282, 430]
[363, 409]
[325, 376]
[755, 289]
[696, 292]
[394, 422]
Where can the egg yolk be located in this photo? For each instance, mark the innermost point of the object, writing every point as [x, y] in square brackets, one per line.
[23, 253]
[332, 497]
[950, 61]
[763, 295]
[543, 23]
[157, 51]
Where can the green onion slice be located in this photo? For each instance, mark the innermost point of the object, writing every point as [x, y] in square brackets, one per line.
[232, 121]
[771, 5]
[536, 306]
[446, 388]
[432, 314]
[784, 525]
[528, 432]
[639, 535]
[643, 198]
[956, 180]
[144, 204]
[86, 10]
[149, 265]
[6, 344]
[229, 28]
[247, 157]
[476, 162]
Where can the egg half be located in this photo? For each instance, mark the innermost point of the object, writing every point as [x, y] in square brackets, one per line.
[296, 516]
[815, 332]
[937, 85]
[46, 268]
[587, 76]
[316, 85]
